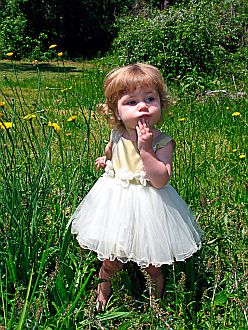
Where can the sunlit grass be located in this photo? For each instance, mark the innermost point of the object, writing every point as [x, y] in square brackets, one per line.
[47, 166]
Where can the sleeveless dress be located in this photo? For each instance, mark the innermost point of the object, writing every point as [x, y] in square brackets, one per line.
[123, 217]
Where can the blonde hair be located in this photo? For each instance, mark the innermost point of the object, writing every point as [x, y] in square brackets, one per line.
[128, 78]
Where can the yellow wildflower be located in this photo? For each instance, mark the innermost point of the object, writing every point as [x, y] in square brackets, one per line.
[242, 156]
[2, 104]
[72, 118]
[236, 114]
[54, 125]
[6, 125]
[52, 46]
[234, 150]
[10, 54]
[29, 116]
[65, 89]
[181, 119]
[60, 54]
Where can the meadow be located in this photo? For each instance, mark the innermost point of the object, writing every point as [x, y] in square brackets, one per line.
[50, 135]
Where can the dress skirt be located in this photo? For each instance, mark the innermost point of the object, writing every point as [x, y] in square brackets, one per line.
[136, 223]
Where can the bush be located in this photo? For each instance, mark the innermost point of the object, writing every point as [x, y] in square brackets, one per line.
[14, 37]
[197, 35]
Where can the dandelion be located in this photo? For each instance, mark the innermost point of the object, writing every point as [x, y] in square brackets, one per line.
[72, 118]
[60, 54]
[66, 89]
[29, 116]
[181, 119]
[52, 46]
[234, 150]
[10, 54]
[236, 114]
[2, 104]
[242, 156]
[6, 125]
[54, 125]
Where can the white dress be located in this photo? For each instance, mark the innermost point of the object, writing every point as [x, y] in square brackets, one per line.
[123, 217]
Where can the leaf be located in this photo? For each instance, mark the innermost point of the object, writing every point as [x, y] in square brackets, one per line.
[66, 242]
[113, 315]
[220, 299]
[61, 290]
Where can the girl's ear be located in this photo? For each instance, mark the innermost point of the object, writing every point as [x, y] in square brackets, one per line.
[117, 115]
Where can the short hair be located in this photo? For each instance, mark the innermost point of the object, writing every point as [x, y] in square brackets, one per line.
[127, 78]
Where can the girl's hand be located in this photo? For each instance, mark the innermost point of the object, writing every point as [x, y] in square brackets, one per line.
[145, 135]
[100, 162]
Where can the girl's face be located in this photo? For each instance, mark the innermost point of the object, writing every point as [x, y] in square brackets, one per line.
[137, 104]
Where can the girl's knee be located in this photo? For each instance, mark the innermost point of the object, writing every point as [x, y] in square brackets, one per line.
[112, 265]
[154, 271]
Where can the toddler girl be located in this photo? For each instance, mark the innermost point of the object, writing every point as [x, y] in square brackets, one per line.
[132, 213]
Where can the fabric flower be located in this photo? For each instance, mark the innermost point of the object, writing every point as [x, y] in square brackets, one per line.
[123, 176]
[141, 178]
[109, 169]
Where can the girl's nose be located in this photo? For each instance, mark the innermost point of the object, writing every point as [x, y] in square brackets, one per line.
[142, 106]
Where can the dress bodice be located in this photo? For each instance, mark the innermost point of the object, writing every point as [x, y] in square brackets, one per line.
[126, 164]
[126, 155]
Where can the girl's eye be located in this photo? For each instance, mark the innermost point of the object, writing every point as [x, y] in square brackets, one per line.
[150, 99]
[132, 102]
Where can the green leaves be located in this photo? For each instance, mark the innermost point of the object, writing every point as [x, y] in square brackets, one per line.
[193, 35]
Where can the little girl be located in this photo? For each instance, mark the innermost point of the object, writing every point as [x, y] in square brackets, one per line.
[132, 213]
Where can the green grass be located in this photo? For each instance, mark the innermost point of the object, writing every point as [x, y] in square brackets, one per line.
[47, 282]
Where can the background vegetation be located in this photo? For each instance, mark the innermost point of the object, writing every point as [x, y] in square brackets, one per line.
[50, 134]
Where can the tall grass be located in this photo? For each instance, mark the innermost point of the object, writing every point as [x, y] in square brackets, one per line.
[47, 166]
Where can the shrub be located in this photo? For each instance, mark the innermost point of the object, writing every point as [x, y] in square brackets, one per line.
[197, 35]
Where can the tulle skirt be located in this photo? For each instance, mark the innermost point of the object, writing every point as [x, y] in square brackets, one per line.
[146, 225]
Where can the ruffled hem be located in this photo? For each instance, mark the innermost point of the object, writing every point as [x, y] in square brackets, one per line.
[141, 263]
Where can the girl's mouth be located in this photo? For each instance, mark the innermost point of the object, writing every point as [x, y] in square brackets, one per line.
[145, 116]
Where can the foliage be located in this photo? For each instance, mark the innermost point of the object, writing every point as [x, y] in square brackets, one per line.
[13, 34]
[193, 35]
[82, 27]
[47, 166]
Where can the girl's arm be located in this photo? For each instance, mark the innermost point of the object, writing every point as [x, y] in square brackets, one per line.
[158, 166]
[101, 161]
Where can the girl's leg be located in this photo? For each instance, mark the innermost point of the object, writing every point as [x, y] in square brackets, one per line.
[157, 279]
[107, 271]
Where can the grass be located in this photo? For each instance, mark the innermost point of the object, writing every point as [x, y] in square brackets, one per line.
[47, 282]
